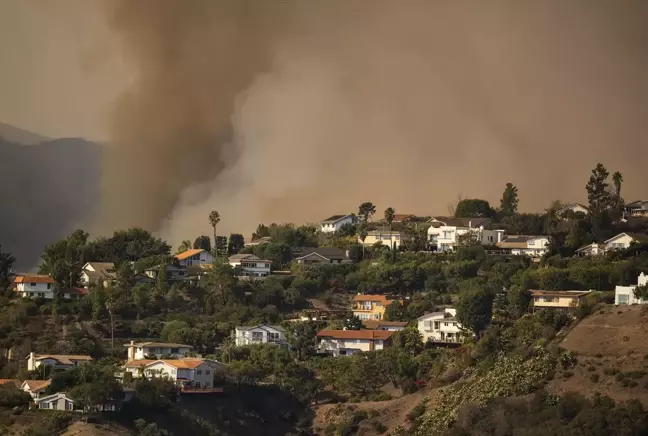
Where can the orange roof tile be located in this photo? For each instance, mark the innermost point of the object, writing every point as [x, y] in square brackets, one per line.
[33, 278]
[176, 363]
[370, 297]
[355, 334]
[187, 254]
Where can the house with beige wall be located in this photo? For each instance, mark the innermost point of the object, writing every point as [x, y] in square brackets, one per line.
[188, 373]
[625, 240]
[347, 342]
[370, 307]
[560, 300]
[385, 237]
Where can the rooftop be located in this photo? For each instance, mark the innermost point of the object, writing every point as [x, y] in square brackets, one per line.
[33, 278]
[372, 297]
[36, 385]
[187, 254]
[157, 345]
[355, 334]
[334, 218]
[540, 293]
[176, 363]
[65, 359]
[374, 324]
[328, 253]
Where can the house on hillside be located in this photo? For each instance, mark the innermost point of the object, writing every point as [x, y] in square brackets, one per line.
[390, 326]
[636, 209]
[259, 241]
[260, 334]
[558, 300]
[249, 265]
[624, 240]
[144, 350]
[314, 256]
[625, 294]
[571, 209]
[441, 327]
[522, 245]
[57, 401]
[592, 249]
[194, 257]
[334, 223]
[174, 273]
[385, 237]
[95, 272]
[188, 374]
[347, 342]
[58, 362]
[371, 307]
[446, 235]
[35, 388]
[34, 286]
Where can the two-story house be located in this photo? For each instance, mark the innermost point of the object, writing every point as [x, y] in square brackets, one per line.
[442, 327]
[248, 265]
[626, 295]
[173, 273]
[144, 350]
[335, 223]
[347, 342]
[625, 240]
[371, 307]
[95, 272]
[636, 209]
[557, 300]
[314, 256]
[194, 257]
[34, 286]
[385, 237]
[186, 373]
[448, 234]
[532, 246]
[58, 362]
[260, 334]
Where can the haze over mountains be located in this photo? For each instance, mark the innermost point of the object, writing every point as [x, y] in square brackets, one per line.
[50, 187]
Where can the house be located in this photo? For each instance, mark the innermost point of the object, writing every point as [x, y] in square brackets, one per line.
[194, 257]
[592, 249]
[35, 388]
[370, 307]
[259, 241]
[260, 334]
[249, 265]
[94, 272]
[314, 256]
[636, 209]
[403, 217]
[334, 223]
[173, 272]
[347, 342]
[390, 326]
[571, 209]
[522, 245]
[186, 373]
[73, 293]
[441, 327]
[561, 300]
[385, 237]
[446, 235]
[625, 294]
[58, 362]
[625, 240]
[144, 350]
[34, 286]
[57, 401]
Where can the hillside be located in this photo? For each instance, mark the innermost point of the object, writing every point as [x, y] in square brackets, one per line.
[612, 348]
[20, 136]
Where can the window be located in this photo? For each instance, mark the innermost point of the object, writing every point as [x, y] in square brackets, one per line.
[358, 341]
[68, 405]
[454, 324]
[376, 316]
[32, 284]
[49, 286]
[199, 372]
[175, 350]
[41, 294]
[623, 299]
[447, 234]
[437, 325]
[445, 324]
[207, 372]
[54, 405]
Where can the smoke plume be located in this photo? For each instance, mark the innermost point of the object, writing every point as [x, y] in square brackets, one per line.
[272, 110]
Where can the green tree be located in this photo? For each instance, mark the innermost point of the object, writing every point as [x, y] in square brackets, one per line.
[301, 335]
[98, 296]
[125, 277]
[475, 310]
[6, 261]
[409, 339]
[214, 219]
[220, 285]
[64, 259]
[509, 202]
[600, 199]
[262, 231]
[641, 292]
[203, 242]
[352, 322]
[473, 208]
[93, 396]
[170, 327]
[395, 312]
[518, 300]
[221, 247]
[236, 243]
[184, 246]
[389, 216]
[127, 245]
[362, 235]
[366, 210]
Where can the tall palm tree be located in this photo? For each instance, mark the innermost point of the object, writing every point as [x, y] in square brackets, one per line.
[617, 178]
[214, 219]
[389, 217]
[362, 234]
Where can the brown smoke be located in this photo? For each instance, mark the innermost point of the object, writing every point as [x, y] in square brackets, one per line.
[296, 110]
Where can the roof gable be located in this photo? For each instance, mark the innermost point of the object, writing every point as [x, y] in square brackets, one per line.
[189, 253]
[335, 218]
[356, 334]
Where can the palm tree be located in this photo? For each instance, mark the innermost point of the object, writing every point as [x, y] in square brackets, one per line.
[362, 234]
[617, 178]
[389, 217]
[214, 219]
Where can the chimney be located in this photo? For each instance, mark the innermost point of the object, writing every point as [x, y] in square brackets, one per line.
[131, 350]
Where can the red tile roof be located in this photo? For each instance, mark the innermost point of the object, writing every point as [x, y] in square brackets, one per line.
[355, 334]
[187, 254]
[33, 278]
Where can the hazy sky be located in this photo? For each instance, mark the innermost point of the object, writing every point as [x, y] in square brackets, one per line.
[60, 67]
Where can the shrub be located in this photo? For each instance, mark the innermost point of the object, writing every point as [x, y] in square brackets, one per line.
[636, 374]
[620, 376]
[594, 378]
[568, 374]
[625, 338]
[379, 427]
[610, 371]
[632, 384]
[591, 368]
[416, 412]
[599, 355]
[380, 396]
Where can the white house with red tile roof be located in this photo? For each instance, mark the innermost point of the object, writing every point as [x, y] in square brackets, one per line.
[347, 342]
[196, 373]
[195, 257]
[34, 286]
[141, 350]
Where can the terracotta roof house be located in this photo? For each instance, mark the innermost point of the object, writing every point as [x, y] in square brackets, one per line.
[141, 350]
[194, 257]
[57, 361]
[347, 342]
[35, 388]
[188, 373]
[371, 307]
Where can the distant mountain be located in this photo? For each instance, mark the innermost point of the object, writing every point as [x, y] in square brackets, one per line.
[46, 190]
[20, 136]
